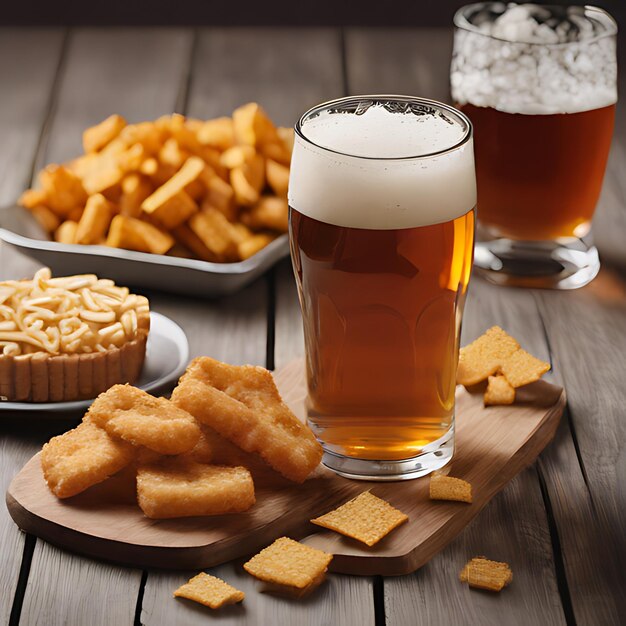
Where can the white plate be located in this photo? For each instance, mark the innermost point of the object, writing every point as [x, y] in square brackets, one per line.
[18, 228]
[167, 356]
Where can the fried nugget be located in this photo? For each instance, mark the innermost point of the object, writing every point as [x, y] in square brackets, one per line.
[242, 404]
[82, 457]
[131, 414]
[182, 488]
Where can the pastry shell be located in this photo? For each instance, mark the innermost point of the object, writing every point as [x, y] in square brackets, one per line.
[42, 377]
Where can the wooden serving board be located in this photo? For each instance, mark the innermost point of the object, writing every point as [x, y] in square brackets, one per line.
[492, 446]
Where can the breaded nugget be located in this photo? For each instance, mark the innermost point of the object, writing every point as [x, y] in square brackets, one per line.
[131, 414]
[82, 457]
[242, 404]
[182, 488]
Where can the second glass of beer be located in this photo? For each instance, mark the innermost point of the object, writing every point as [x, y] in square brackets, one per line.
[382, 196]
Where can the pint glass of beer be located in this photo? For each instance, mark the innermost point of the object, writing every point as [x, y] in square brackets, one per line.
[539, 84]
[382, 195]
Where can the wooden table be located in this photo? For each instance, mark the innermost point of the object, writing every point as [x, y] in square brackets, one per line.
[560, 523]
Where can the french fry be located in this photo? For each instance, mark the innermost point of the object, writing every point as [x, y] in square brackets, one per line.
[252, 245]
[32, 198]
[248, 180]
[277, 177]
[147, 134]
[66, 232]
[271, 212]
[95, 220]
[48, 219]
[133, 234]
[218, 133]
[135, 189]
[188, 238]
[237, 156]
[171, 154]
[252, 126]
[96, 137]
[64, 190]
[216, 232]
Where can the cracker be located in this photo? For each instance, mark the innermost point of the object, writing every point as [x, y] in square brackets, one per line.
[365, 518]
[179, 487]
[449, 488]
[242, 404]
[481, 573]
[499, 391]
[131, 414]
[290, 565]
[522, 368]
[210, 591]
[82, 457]
[482, 358]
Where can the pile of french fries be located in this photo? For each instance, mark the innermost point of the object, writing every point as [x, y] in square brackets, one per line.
[214, 190]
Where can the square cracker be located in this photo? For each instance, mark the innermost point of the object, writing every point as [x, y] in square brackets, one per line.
[522, 368]
[289, 564]
[483, 357]
[365, 518]
[482, 573]
[499, 391]
[210, 591]
[449, 488]
[82, 457]
[183, 488]
[131, 414]
[242, 404]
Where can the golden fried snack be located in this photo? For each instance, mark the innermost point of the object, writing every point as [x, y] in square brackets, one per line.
[66, 232]
[182, 488]
[253, 244]
[135, 416]
[218, 133]
[242, 404]
[82, 457]
[98, 136]
[64, 191]
[365, 518]
[95, 220]
[133, 234]
[216, 233]
[481, 573]
[270, 213]
[277, 177]
[210, 591]
[165, 172]
[448, 488]
[135, 189]
[289, 566]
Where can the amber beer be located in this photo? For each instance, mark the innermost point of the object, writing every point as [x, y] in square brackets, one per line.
[539, 83]
[540, 176]
[382, 244]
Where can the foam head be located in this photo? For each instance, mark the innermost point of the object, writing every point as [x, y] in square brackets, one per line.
[383, 163]
[533, 59]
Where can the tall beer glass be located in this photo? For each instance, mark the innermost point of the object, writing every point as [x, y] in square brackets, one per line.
[382, 195]
[539, 84]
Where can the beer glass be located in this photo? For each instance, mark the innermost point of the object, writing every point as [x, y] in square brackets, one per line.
[381, 223]
[539, 84]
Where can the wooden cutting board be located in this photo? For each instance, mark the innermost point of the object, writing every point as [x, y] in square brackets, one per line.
[492, 446]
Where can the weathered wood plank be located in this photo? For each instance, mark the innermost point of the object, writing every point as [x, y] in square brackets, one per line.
[139, 74]
[417, 62]
[286, 72]
[28, 62]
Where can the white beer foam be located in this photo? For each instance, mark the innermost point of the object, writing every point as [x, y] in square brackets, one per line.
[520, 64]
[331, 181]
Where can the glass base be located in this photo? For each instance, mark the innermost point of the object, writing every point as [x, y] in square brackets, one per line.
[562, 264]
[433, 457]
